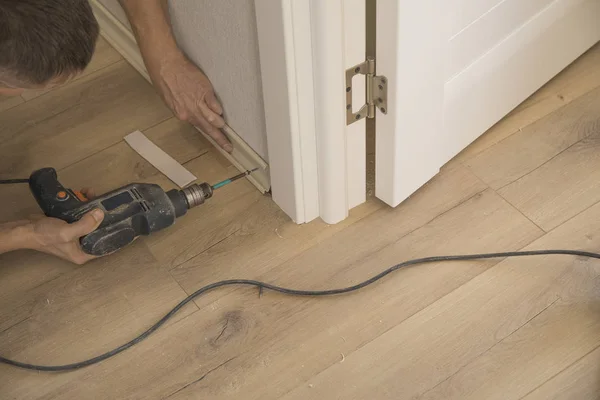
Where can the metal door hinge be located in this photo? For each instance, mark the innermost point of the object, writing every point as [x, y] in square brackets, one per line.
[376, 92]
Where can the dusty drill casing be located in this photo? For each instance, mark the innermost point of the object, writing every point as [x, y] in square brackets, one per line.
[137, 209]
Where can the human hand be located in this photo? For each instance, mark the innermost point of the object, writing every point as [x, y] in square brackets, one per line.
[190, 95]
[59, 238]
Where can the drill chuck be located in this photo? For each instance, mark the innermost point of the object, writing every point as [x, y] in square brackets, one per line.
[190, 197]
[197, 194]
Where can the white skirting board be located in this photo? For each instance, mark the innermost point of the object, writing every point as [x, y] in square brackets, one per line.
[123, 40]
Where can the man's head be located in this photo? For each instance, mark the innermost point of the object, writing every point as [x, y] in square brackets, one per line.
[44, 42]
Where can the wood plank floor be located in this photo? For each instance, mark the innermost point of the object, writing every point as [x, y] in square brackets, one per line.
[496, 329]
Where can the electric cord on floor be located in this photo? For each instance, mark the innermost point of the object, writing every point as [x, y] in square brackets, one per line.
[13, 181]
[294, 292]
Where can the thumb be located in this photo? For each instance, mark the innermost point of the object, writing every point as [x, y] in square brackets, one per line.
[85, 225]
[213, 103]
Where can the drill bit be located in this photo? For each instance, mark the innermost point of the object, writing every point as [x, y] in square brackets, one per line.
[233, 178]
[198, 193]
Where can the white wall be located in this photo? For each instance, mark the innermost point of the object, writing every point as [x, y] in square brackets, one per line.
[221, 38]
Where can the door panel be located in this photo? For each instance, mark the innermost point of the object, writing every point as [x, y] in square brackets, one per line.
[411, 40]
[487, 31]
[462, 13]
[496, 62]
[490, 88]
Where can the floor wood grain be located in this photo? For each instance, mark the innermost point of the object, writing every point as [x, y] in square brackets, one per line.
[443, 349]
[561, 188]
[350, 322]
[498, 329]
[536, 144]
[8, 102]
[579, 381]
[78, 120]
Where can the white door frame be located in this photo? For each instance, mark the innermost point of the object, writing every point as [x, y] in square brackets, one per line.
[317, 163]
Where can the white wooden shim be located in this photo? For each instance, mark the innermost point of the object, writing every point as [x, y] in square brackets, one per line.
[159, 159]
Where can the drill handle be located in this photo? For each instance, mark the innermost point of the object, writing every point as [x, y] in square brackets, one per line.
[130, 211]
[53, 198]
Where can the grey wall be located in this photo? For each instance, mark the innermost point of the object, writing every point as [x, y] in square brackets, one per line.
[115, 8]
[220, 37]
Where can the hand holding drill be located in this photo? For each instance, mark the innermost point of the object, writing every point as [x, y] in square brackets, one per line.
[102, 225]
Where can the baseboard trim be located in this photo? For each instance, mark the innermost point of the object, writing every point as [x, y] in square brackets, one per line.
[119, 37]
[122, 39]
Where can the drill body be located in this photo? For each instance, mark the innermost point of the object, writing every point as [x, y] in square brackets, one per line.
[133, 210]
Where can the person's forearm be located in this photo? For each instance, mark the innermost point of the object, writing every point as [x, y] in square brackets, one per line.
[15, 235]
[152, 29]
[184, 88]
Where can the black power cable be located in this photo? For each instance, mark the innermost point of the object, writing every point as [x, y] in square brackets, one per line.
[295, 292]
[11, 181]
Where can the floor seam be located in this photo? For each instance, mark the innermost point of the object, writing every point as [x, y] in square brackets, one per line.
[186, 293]
[15, 324]
[203, 153]
[92, 78]
[420, 310]
[573, 217]
[498, 189]
[539, 166]
[13, 106]
[379, 249]
[491, 347]
[526, 125]
[275, 266]
[74, 80]
[201, 378]
[204, 250]
[110, 146]
[521, 212]
[560, 372]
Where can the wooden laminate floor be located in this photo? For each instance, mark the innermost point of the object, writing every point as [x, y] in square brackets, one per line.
[498, 329]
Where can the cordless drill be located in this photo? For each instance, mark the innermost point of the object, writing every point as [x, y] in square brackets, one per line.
[133, 210]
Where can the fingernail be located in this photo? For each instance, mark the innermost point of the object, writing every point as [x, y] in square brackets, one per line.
[98, 215]
[228, 148]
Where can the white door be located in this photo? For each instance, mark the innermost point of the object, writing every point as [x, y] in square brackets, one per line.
[456, 67]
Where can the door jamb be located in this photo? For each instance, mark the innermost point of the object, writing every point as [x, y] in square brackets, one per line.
[317, 164]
